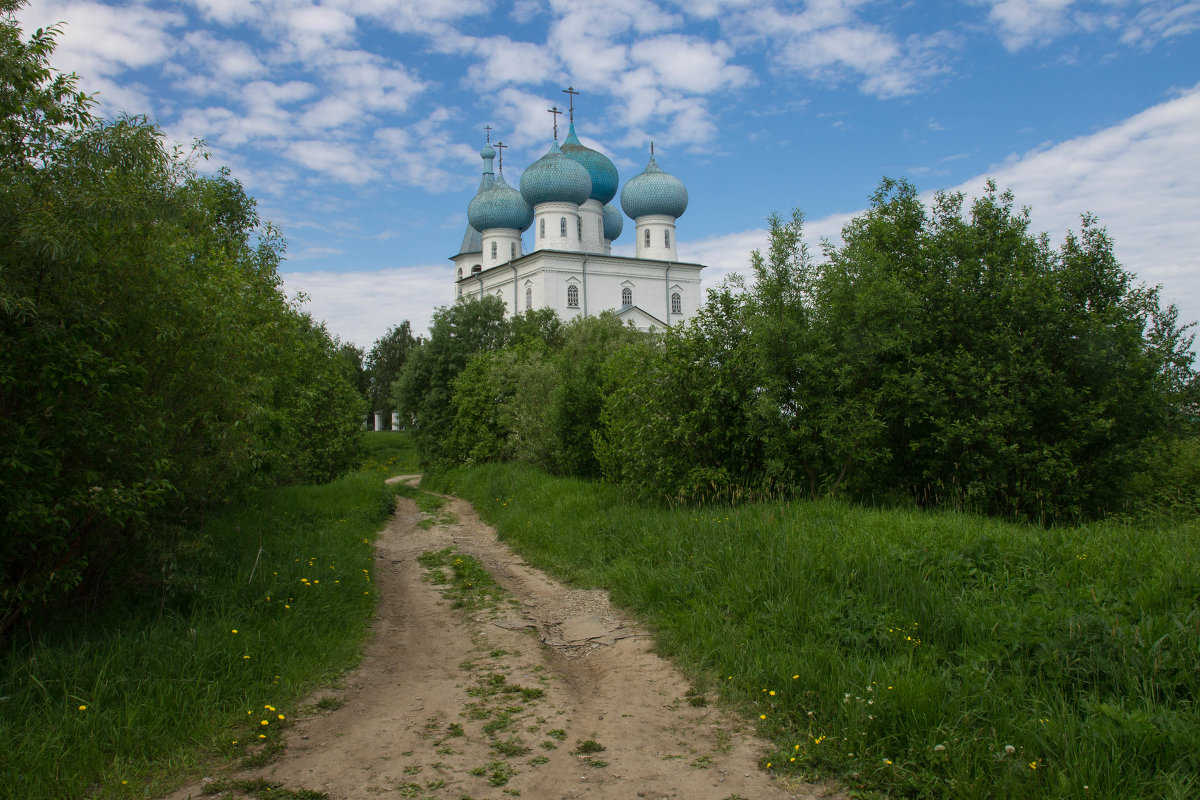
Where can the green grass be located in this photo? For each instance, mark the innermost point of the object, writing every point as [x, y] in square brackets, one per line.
[390, 452]
[128, 701]
[930, 655]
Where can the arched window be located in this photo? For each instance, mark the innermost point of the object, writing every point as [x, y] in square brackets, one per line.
[572, 297]
[562, 227]
[676, 303]
[542, 228]
[476, 269]
[493, 251]
[647, 237]
[528, 298]
[627, 296]
[667, 237]
[460, 273]
[579, 228]
[512, 250]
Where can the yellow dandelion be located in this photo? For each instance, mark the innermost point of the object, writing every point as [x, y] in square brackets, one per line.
[795, 677]
[797, 747]
[762, 716]
[234, 630]
[768, 765]
[772, 693]
[1033, 765]
[281, 716]
[887, 761]
[793, 758]
[265, 722]
[262, 736]
[83, 708]
[245, 658]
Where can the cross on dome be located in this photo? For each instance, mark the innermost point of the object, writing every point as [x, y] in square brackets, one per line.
[500, 146]
[570, 92]
[488, 128]
[557, 113]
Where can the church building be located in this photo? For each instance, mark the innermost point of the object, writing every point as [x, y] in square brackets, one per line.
[566, 198]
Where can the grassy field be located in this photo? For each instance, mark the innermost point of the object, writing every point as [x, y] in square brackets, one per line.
[124, 702]
[929, 655]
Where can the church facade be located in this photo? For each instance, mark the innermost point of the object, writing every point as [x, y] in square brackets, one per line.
[565, 203]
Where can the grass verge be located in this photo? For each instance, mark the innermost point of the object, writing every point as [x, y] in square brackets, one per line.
[128, 701]
[923, 655]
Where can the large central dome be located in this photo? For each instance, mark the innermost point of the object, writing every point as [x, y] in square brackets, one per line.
[602, 171]
[554, 178]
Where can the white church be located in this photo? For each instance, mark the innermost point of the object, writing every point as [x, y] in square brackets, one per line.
[566, 198]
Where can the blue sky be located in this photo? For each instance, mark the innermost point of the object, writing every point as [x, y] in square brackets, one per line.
[357, 123]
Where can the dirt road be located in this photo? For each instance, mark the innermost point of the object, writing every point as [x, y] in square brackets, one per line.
[547, 692]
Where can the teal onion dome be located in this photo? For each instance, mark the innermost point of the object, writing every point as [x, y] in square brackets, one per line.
[614, 223]
[554, 178]
[654, 192]
[602, 171]
[487, 153]
[500, 206]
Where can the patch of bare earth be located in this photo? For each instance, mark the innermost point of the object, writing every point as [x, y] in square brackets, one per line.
[515, 698]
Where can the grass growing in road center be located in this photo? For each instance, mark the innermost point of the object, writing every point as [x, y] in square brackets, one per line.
[916, 654]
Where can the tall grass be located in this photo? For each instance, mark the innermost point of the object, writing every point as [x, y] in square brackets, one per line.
[126, 701]
[917, 654]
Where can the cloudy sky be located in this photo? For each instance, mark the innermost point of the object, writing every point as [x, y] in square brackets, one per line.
[357, 123]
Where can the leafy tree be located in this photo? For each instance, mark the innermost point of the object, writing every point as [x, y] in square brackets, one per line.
[152, 365]
[384, 363]
[424, 389]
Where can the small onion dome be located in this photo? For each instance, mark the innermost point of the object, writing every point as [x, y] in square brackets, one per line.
[654, 192]
[487, 154]
[501, 206]
[614, 223]
[554, 178]
[602, 171]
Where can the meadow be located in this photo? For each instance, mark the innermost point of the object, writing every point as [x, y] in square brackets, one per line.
[909, 654]
[128, 700]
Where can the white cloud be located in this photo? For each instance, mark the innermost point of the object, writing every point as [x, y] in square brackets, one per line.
[690, 63]
[360, 306]
[1025, 22]
[334, 159]
[1136, 176]
[505, 62]
[828, 42]
[99, 42]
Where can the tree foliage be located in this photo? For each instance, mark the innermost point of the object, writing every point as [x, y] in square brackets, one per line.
[943, 355]
[384, 364]
[152, 364]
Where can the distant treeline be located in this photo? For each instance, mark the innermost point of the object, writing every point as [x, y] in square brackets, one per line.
[939, 356]
[152, 366]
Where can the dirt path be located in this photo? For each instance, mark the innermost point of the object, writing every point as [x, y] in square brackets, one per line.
[503, 700]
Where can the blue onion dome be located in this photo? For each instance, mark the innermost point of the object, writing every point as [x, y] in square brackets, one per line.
[602, 171]
[654, 192]
[554, 178]
[614, 223]
[501, 206]
[487, 154]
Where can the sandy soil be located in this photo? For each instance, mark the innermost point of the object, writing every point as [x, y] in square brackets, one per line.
[429, 668]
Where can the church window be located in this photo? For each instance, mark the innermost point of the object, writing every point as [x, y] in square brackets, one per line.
[572, 297]
[542, 228]
[676, 303]
[627, 296]
[476, 269]
[562, 227]
[647, 237]
[667, 237]
[460, 273]
[512, 250]
[579, 228]
[528, 298]
[493, 250]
